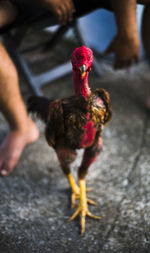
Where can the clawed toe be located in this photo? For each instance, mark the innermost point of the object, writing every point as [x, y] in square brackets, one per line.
[79, 193]
[83, 213]
[74, 196]
[82, 206]
[91, 202]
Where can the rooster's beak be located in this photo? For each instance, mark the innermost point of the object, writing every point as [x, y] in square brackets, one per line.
[83, 69]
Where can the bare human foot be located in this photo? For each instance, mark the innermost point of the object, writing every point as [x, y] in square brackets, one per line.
[13, 146]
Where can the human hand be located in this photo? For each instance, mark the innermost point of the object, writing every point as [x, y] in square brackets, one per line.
[62, 9]
[126, 51]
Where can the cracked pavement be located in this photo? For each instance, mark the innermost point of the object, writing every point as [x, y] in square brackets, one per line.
[35, 198]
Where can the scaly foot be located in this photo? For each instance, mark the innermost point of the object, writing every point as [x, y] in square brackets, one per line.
[76, 192]
[74, 188]
[13, 145]
[76, 195]
[83, 207]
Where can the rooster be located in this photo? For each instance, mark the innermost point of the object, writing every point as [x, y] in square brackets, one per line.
[74, 123]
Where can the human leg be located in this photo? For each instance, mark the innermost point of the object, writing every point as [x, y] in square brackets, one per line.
[22, 129]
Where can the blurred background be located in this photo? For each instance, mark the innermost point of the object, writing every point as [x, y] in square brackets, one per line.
[99, 28]
[35, 199]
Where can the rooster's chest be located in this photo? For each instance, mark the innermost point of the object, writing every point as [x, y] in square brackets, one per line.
[81, 129]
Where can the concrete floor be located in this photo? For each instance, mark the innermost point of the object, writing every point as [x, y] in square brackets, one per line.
[35, 198]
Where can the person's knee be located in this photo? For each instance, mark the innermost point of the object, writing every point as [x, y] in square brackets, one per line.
[8, 13]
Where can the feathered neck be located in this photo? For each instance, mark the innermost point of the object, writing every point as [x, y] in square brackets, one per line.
[81, 86]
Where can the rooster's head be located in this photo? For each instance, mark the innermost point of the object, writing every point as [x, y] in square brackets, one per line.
[82, 59]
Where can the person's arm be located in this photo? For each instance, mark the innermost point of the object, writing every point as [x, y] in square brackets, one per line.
[62, 9]
[126, 43]
[125, 13]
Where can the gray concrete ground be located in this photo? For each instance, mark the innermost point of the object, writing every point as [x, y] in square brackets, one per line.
[35, 198]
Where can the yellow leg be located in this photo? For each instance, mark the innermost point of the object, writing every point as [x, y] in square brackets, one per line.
[75, 189]
[83, 207]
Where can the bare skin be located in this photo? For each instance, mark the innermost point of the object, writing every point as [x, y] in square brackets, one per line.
[8, 12]
[126, 43]
[22, 130]
[62, 9]
[13, 146]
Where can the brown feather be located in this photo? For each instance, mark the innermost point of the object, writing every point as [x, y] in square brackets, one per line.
[68, 117]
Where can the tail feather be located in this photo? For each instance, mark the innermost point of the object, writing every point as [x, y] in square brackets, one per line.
[39, 106]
